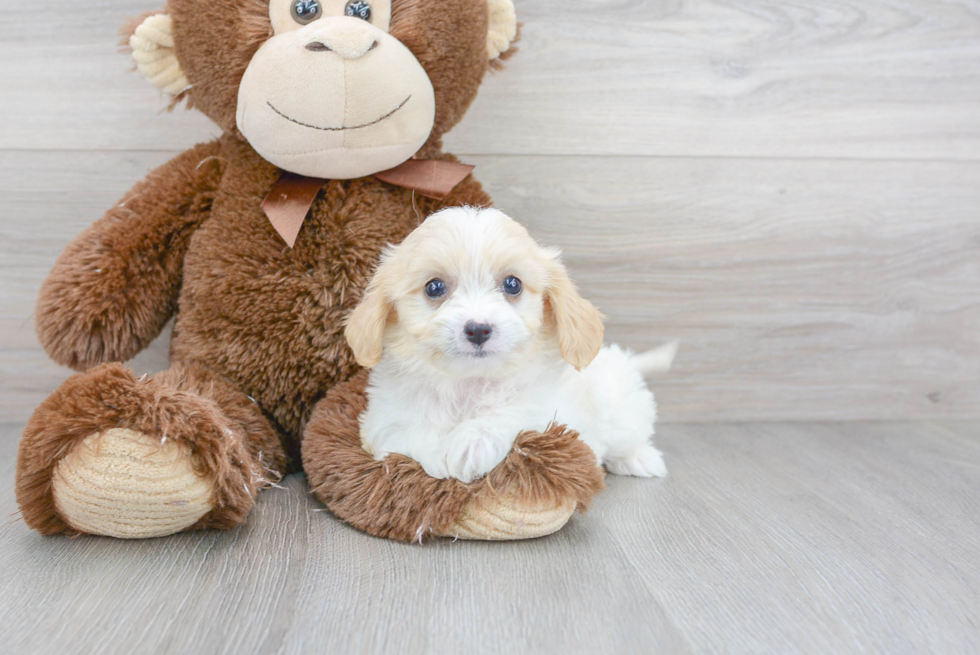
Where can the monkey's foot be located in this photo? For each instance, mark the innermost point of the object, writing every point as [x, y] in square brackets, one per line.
[123, 483]
[544, 479]
[508, 518]
[111, 454]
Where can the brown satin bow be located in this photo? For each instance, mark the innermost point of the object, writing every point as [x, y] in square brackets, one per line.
[292, 195]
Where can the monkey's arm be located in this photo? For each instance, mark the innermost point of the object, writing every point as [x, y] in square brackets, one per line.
[115, 286]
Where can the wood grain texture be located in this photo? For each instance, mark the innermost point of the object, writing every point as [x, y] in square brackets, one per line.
[828, 78]
[799, 289]
[802, 538]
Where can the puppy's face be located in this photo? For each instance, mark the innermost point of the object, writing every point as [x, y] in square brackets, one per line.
[471, 294]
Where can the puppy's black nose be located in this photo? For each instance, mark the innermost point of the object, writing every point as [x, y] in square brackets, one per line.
[477, 333]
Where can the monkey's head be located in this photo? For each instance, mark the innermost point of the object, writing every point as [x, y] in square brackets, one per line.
[327, 88]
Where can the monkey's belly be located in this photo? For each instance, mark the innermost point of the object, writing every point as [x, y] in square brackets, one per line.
[270, 318]
[281, 346]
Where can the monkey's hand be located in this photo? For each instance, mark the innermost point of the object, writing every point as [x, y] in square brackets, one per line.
[115, 286]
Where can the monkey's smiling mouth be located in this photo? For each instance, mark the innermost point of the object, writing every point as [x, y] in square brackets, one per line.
[341, 129]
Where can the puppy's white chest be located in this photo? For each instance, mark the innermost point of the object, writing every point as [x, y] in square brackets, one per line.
[474, 398]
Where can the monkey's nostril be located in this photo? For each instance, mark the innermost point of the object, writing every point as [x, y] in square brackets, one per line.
[316, 46]
[477, 333]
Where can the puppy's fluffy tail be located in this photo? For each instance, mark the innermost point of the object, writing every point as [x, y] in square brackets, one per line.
[658, 360]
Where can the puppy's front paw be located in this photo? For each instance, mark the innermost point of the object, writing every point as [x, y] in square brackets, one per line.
[472, 453]
[647, 462]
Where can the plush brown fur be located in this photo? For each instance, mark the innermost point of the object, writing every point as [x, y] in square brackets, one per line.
[395, 498]
[258, 339]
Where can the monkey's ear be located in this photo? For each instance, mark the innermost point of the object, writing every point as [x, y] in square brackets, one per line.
[153, 49]
[503, 27]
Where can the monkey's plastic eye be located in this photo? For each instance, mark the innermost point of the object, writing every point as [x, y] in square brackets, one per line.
[306, 11]
[358, 9]
[435, 288]
[512, 286]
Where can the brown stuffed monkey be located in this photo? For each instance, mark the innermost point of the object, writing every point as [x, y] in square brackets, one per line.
[260, 243]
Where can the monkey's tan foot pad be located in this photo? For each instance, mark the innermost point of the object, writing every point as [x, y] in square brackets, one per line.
[127, 484]
[507, 518]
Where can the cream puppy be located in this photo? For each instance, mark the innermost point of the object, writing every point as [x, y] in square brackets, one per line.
[475, 334]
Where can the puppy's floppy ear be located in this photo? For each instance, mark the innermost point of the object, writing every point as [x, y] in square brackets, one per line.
[577, 321]
[366, 324]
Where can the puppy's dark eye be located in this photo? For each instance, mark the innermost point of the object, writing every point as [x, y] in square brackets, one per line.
[512, 286]
[306, 11]
[435, 288]
[358, 9]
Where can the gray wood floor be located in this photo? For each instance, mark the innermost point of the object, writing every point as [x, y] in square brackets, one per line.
[764, 538]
